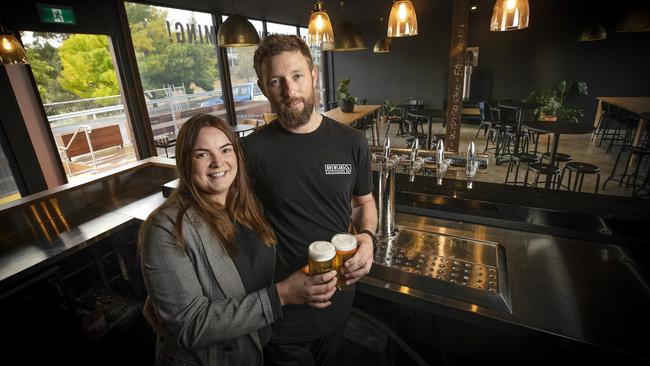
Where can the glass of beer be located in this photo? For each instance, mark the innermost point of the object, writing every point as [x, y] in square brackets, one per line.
[321, 257]
[346, 246]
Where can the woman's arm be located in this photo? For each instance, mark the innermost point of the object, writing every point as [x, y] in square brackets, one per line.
[176, 292]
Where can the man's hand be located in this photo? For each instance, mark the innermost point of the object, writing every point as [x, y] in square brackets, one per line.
[299, 288]
[360, 263]
[151, 315]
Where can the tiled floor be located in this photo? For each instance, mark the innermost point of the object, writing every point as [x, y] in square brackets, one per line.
[579, 146]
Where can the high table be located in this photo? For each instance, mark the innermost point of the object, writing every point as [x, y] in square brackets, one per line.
[360, 111]
[558, 128]
[241, 129]
[429, 114]
[639, 106]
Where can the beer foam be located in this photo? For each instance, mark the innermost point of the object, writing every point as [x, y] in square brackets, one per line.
[320, 251]
[344, 242]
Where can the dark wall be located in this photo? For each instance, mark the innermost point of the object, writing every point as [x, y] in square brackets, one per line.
[548, 51]
[415, 67]
[517, 62]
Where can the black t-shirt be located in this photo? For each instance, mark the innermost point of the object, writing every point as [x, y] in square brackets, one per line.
[305, 183]
[255, 264]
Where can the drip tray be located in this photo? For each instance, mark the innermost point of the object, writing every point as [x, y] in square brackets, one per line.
[472, 271]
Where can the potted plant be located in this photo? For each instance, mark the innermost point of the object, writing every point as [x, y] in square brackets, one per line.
[346, 101]
[388, 109]
[553, 101]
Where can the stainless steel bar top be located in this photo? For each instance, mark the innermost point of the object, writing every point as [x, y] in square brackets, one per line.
[594, 293]
[39, 230]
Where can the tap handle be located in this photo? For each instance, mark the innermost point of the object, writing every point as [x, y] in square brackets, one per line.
[414, 149]
[471, 154]
[440, 151]
[386, 148]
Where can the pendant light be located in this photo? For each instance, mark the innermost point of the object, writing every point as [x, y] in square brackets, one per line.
[403, 21]
[636, 18]
[11, 51]
[509, 15]
[237, 31]
[382, 45]
[320, 27]
[346, 36]
[594, 31]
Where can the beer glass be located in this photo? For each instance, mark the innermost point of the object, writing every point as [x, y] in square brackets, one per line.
[321, 257]
[346, 246]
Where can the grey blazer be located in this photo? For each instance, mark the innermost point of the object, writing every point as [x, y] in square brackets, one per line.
[200, 296]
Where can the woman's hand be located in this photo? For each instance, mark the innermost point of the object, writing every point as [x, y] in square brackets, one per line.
[299, 288]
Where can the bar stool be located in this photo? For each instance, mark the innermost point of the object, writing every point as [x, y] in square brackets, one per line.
[559, 158]
[640, 153]
[518, 159]
[550, 171]
[398, 119]
[580, 169]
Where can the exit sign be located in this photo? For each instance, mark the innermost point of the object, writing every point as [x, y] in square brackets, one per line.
[56, 14]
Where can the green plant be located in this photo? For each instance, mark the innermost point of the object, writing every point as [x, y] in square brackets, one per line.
[343, 91]
[388, 108]
[553, 100]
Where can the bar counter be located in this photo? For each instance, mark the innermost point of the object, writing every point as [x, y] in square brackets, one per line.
[570, 273]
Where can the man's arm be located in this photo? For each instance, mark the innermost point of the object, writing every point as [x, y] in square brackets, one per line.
[364, 217]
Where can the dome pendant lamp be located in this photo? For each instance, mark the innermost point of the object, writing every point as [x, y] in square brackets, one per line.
[403, 21]
[237, 31]
[320, 27]
[509, 15]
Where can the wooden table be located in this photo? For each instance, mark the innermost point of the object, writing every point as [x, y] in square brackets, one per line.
[359, 112]
[639, 106]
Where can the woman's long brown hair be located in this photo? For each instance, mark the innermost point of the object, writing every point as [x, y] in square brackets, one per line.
[241, 204]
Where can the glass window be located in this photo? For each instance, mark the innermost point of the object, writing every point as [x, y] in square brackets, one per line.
[8, 188]
[250, 103]
[75, 76]
[317, 56]
[177, 59]
[275, 28]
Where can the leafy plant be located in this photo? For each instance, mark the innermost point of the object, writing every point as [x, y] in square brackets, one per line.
[388, 108]
[343, 91]
[553, 100]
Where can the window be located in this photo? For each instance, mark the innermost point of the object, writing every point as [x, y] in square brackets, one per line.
[248, 104]
[316, 55]
[8, 188]
[76, 78]
[177, 59]
[275, 28]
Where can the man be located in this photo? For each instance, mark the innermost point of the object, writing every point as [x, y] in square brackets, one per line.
[307, 169]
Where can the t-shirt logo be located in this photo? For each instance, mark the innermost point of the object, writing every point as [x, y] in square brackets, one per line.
[333, 169]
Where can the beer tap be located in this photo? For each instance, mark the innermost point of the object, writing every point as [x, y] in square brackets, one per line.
[416, 162]
[442, 164]
[471, 166]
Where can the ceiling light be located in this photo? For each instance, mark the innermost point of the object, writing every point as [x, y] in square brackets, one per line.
[509, 15]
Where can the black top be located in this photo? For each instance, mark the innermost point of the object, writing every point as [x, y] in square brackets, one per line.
[560, 126]
[305, 183]
[255, 264]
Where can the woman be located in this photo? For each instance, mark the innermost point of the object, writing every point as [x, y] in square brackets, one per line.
[208, 257]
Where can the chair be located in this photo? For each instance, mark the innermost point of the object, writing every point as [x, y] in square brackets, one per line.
[332, 105]
[550, 171]
[367, 123]
[487, 118]
[515, 161]
[398, 119]
[580, 169]
[639, 153]
[269, 117]
[559, 158]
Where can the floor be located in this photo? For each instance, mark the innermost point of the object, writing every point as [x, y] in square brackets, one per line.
[581, 147]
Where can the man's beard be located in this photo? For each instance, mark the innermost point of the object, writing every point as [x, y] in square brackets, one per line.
[290, 119]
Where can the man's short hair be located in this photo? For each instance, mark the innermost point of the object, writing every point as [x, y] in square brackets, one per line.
[277, 43]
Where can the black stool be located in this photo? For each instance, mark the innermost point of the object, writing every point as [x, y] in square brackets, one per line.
[580, 169]
[559, 158]
[640, 153]
[518, 159]
[550, 171]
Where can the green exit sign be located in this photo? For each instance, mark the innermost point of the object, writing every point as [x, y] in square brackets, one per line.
[56, 14]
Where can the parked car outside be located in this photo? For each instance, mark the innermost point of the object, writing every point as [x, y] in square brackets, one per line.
[241, 93]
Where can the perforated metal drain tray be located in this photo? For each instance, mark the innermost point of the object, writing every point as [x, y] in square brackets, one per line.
[469, 270]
